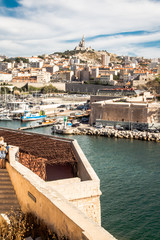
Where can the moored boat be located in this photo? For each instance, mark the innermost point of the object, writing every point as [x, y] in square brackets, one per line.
[48, 121]
[28, 116]
[5, 118]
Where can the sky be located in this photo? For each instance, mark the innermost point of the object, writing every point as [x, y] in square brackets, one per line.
[123, 27]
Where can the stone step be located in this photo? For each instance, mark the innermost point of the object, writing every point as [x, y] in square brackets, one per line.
[8, 209]
[5, 180]
[5, 186]
[7, 191]
[9, 206]
[3, 170]
[3, 174]
[4, 177]
[8, 200]
[7, 195]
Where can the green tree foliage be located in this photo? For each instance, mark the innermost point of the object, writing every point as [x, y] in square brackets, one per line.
[157, 79]
[4, 90]
[25, 88]
[48, 89]
[18, 89]
[41, 57]
[8, 60]
[18, 59]
[33, 89]
[116, 77]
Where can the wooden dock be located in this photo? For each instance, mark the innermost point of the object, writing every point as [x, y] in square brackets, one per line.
[36, 126]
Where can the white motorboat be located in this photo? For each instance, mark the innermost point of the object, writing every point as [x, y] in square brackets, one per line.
[4, 117]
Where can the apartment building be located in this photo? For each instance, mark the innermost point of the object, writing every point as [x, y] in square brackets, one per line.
[5, 77]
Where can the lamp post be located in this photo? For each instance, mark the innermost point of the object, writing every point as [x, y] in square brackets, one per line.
[131, 111]
[130, 117]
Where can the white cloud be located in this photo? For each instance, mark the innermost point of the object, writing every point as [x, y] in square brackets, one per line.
[42, 26]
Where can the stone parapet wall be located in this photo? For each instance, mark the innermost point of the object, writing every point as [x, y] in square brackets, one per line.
[50, 206]
[82, 191]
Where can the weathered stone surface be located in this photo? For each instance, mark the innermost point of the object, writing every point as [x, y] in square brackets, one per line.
[145, 136]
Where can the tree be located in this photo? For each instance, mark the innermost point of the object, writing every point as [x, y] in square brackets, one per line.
[116, 77]
[25, 88]
[17, 92]
[7, 60]
[48, 89]
[33, 89]
[18, 59]
[5, 90]
[41, 57]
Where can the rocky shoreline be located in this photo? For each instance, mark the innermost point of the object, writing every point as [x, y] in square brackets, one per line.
[145, 136]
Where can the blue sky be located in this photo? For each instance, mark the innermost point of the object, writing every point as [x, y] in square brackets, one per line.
[10, 3]
[123, 27]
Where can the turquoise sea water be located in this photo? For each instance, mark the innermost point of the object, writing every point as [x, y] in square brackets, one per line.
[130, 183]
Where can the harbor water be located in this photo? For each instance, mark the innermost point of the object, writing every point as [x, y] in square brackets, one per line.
[129, 171]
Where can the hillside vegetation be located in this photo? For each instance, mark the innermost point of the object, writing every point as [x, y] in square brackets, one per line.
[93, 57]
[153, 86]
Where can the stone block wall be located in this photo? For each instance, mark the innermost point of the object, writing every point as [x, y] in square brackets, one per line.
[36, 165]
[85, 88]
[83, 194]
[97, 98]
[125, 112]
[90, 206]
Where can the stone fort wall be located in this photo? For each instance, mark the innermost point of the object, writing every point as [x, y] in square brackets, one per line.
[119, 112]
[85, 88]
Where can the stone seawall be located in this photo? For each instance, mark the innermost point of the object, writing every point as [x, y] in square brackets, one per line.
[86, 88]
[146, 136]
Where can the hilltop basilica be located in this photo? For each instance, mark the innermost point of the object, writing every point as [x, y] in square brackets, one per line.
[81, 46]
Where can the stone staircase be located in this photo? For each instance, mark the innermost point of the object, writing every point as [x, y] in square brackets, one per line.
[8, 199]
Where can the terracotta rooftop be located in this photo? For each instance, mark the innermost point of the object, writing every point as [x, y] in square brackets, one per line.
[47, 147]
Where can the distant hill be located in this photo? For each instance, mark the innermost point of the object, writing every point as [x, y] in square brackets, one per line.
[92, 57]
[153, 86]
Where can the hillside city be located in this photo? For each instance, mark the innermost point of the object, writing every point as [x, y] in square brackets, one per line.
[83, 65]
